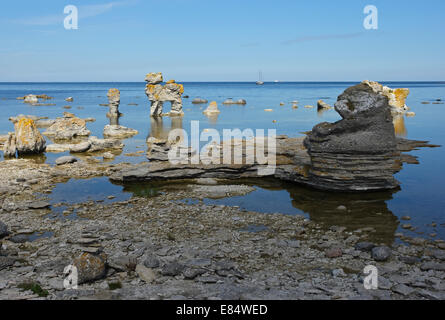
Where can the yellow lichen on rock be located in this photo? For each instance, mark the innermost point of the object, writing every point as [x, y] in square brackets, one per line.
[400, 96]
[28, 137]
[113, 92]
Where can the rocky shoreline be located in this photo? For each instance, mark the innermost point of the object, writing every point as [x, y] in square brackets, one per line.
[163, 248]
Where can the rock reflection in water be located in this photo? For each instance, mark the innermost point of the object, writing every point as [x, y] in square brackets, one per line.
[363, 210]
[399, 126]
[367, 210]
[160, 131]
[114, 118]
[213, 118]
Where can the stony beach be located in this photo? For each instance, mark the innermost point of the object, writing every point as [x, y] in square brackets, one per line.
[162, 248]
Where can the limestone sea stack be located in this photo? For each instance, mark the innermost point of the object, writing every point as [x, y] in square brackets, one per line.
[114, 99]
[158, 94]
[358, 152]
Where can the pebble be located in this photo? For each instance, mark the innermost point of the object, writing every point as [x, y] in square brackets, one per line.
[382, 253]
[146, 274]
[334, 253]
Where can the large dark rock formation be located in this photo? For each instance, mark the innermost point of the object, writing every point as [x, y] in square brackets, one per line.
[358, 152]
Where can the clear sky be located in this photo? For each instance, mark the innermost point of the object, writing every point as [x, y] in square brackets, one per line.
[222, 40]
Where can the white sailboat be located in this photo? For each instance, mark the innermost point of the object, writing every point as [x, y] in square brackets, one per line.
[260, 82]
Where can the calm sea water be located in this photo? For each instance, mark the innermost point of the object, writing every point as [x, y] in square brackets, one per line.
[422, 195]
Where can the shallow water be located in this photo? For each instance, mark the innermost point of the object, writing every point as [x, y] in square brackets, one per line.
[421, 196]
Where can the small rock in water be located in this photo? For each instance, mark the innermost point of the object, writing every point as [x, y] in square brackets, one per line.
[407, 218]
[381, 253]
[65, 160]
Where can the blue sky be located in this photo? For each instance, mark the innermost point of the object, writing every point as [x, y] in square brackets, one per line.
[214, 40]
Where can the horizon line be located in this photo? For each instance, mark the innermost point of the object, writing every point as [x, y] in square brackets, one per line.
[235, 81]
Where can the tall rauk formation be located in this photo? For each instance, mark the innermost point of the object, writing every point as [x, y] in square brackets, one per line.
[358, 152]
[158, 94]
[114, 99]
